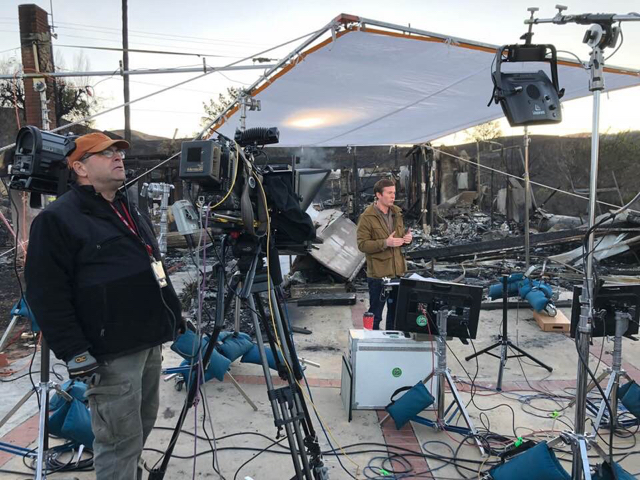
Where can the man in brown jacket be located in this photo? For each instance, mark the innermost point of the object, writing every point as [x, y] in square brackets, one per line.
[380, 235]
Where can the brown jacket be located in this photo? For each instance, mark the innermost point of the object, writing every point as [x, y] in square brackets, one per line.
[382, 261]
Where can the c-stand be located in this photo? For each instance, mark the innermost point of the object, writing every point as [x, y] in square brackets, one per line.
[288, 405]
[42, 389]
[616, 372]
[444, 417]
[601, 34]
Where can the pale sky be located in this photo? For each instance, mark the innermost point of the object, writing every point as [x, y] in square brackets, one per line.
[233, 30]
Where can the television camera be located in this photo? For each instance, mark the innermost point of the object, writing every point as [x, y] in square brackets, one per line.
[238, 195]
[260, 211]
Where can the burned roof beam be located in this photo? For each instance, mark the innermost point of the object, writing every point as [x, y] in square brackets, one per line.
[513, 243]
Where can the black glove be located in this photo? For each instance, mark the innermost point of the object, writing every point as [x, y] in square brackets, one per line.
[82, 367]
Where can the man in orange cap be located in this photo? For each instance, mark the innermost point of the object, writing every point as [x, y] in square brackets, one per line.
[99, 161]
[98, 290]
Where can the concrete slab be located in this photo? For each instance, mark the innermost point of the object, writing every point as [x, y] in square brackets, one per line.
[236, 425]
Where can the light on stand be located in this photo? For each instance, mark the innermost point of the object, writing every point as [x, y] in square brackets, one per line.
[601, 34]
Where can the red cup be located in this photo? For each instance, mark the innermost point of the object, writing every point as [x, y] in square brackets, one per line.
[367, 321]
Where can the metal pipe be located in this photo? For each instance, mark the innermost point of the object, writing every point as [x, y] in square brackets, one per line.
[125, 67]
[272, 68]
[527, 197]
[586, 299]
[432, 191]
[422, 166]
[442, 316]
[150, 71]
[478, 188]
[563, 19]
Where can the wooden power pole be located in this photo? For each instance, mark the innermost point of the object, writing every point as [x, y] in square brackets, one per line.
[125, 67]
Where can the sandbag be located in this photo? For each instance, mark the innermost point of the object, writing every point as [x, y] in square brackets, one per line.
[234, 345]
[537, 463]
[253, 356]
[71, 420]
[414, 401]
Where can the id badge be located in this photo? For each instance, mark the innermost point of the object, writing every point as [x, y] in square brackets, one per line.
[158, 271]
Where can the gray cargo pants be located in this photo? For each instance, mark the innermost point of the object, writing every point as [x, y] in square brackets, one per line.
[124, 406]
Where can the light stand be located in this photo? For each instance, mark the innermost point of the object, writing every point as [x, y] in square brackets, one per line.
[615, 372]
[527, 198]
[504, 343]
[444, 375]
[600, 35]
[580, 465]
[161, 192]
[43, 388]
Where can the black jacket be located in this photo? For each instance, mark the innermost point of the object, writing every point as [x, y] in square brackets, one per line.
[89, 280]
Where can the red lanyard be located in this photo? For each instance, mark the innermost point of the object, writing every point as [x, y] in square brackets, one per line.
[130, 224]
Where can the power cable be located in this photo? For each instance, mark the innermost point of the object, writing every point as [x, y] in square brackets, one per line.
[136, 50]
[136, 43]
[140, 33]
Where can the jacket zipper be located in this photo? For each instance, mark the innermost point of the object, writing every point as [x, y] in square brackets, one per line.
[99, 246]
[104, 304]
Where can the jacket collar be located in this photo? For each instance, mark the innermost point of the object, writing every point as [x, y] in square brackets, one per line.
[370, 210]
[93, 201]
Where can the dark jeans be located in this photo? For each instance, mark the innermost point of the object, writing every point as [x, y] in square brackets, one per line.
[377, 298]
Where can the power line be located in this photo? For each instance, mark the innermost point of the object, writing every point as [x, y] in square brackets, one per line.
[152, 34]
[116, 41]
[108, 110]
[10, 49]
[135, 50]
[202, 114]
[142, 71]
[208, 92]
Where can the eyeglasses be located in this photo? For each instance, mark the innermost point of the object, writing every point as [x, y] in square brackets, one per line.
[109, 153]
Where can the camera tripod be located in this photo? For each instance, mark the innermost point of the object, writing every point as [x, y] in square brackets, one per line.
[504, 343]
[287, 403]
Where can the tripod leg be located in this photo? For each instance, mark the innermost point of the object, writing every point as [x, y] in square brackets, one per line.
[238, 306]
[278, 402]
[42, 434]
[270, 335]
[591, 386]
[309, 443]
[16, 407]
[603, 404]
[530, 357]
[7, 332]
[586, 470]
[463, 411]
[484, 350]
[242, 392]
[504, 353]
[613, 423]
[441, 397]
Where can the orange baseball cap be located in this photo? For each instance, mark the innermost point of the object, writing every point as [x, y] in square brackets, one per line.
[93, 143]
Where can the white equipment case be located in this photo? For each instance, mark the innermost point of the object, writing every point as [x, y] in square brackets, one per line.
[379, 362]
